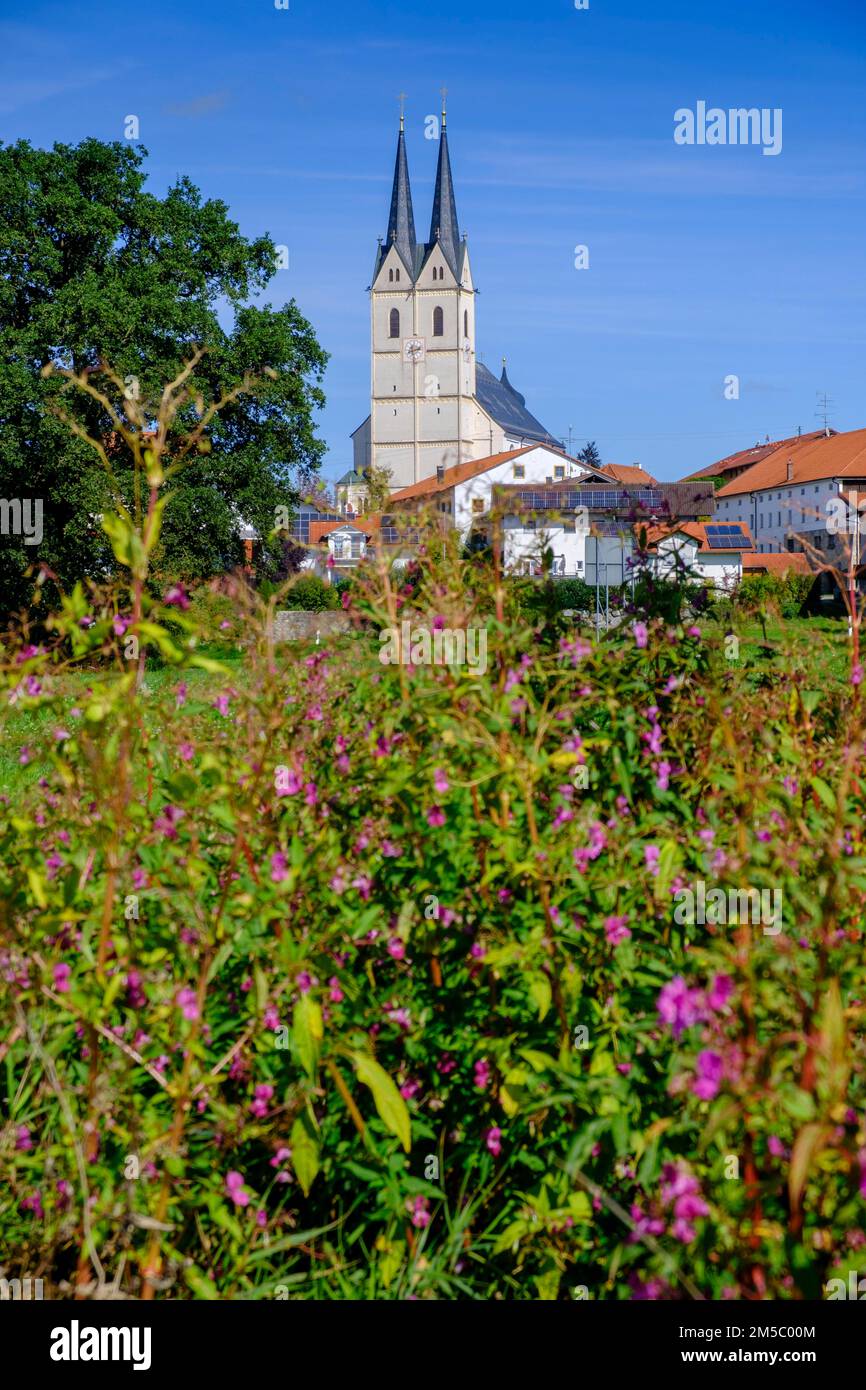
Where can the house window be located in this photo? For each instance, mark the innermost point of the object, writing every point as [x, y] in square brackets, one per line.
[559, 470]
[394, 324]
[338, 547]
[477, 505]
[519, 470]
[438, 322]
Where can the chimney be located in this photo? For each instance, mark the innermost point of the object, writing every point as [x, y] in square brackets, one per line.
[440, 472]
[790, 469]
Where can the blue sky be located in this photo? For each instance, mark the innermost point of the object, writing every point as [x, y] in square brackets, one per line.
[704, 261]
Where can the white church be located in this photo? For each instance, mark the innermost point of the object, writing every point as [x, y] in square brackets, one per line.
[433, 405]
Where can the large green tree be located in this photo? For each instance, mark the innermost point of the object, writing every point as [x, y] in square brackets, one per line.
[95, 268]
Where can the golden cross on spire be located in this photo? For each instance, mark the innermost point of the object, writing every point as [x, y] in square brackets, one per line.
[402, 99]
[444, 92]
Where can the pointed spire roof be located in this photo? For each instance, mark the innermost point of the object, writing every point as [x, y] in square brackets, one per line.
[401, 222]
[443, 225]
[505, 382]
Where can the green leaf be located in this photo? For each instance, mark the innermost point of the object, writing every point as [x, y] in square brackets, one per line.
[305, 1151]
[513, 1089]
[389, 1103]
[540, 994]
[820, 786]
[308, 1031]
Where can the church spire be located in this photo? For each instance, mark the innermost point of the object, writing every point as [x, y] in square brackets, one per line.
[443, 226]
[401, 222]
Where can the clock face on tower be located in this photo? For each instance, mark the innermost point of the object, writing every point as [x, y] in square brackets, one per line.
[414, 350]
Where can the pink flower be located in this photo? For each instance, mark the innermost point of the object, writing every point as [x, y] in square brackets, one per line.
[418, 1208]
[440, 781]
[616, 930]
[363, 884]
[679, 1006]
[34, 1203]
[186, 752]
[23, 1142]
[409, 1089]
[435, 817]
[335, 994]
[180, 694]
[24, 756]
[167, 821]
[396, 948]
[119, 625]
[176, 597]
[720, 992]
[708, 1075]
[259, 1106]
[221, 704]
[279, 867]
[401, 1017]
[651, 858]
[640, 634]
[493, 1140]
[61, 977]
[235, 1189]
[482, 1074]
[187, 1002]
[305, 982]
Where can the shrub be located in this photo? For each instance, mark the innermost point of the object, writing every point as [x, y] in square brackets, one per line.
[311, 594]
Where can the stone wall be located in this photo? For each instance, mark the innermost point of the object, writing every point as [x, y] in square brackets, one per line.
[296, 625]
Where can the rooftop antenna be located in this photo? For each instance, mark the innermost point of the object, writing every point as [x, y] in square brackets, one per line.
[825, 406]
[401, 97]
[444, 94]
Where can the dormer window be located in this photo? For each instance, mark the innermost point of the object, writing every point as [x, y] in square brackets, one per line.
[394, 324]
[438, 322]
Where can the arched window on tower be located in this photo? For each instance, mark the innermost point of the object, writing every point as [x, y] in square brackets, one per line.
[391, 275]
[465, 323]
[438, 322]
[397, 273]
[394, 331]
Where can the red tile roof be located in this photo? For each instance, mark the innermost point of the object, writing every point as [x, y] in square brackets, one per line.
[777, 562]
[737, 463]
[697, 530]
[460, 473]
[630, 473]
[828, 456]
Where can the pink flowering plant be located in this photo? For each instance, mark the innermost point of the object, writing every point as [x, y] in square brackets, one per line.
[334, 976]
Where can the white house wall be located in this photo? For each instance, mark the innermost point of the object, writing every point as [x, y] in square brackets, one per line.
[538, 467]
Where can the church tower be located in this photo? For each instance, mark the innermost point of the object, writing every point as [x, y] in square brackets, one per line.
[422, 304]
[432, 405]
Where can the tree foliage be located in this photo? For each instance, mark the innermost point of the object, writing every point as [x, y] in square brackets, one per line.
[94, 267]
